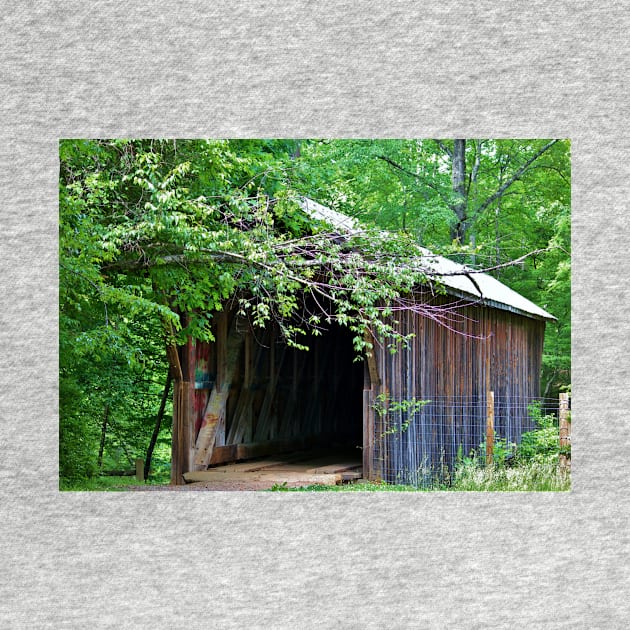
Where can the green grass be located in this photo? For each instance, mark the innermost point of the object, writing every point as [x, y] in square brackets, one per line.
[533, 476]
[108, 484]
[529, 477]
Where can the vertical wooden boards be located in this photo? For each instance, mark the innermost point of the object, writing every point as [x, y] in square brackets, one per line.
[182, 366]
[228, 350]
[375, 380]
[369, 451]
[221, 347]
[372, 468]
[480, 349]
[179, 458]
[242, 418]
[265, 425]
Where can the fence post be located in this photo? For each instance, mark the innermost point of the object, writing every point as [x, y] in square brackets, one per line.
[489, 428]
[564, 430]
[140, 469]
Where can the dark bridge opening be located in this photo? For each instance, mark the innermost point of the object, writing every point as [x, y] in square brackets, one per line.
[280, 399]
[327, 382]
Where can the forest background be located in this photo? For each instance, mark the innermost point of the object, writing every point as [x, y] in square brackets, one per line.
[137, 216]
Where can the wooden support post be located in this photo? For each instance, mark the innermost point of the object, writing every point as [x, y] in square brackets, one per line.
[368, 440]
[140, 469]
[222, 367]
[179, 442]
[371, 383]
[228, 352]
[564, 427]
[489, 428]
[173, 360]
[221, 346]
[177, 459]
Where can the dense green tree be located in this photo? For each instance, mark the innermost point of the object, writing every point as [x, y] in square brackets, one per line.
[486, 202]
[150, 229]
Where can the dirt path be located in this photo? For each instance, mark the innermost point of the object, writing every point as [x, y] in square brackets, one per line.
[213, 486]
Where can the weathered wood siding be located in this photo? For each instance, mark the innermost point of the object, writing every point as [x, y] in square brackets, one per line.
[481, 349]
[278, 399]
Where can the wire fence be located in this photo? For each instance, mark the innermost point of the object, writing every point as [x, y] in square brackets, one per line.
[420, 442]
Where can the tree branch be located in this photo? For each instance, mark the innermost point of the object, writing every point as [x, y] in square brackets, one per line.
[444, 148]
[514, 178]
[414, 175]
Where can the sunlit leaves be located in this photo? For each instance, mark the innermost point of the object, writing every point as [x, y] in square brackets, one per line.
[154, 229]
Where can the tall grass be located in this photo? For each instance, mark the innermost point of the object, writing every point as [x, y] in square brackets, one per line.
[533, 476]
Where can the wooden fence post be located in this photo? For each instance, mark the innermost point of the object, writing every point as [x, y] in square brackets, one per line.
[564, 430]
[489, 428]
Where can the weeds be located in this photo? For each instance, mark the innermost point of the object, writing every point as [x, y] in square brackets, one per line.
[525, 477]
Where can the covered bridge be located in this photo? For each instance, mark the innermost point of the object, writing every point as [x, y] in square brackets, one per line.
[409, 415]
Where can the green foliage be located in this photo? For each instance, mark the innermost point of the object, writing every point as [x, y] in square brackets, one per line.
[109, 483]
[152, 229]
[533, 464]
[403, 412]
[502, 452]
[541, 444]
[517, 201]
[469, 477]
[280, 487]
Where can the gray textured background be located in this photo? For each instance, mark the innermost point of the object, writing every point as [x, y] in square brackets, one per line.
[336, 69]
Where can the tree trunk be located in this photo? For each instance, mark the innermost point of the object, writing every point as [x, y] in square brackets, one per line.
[458, 231]
[101, 447]
[158, 423]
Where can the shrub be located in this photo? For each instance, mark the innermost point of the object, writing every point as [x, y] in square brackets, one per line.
[541, 444]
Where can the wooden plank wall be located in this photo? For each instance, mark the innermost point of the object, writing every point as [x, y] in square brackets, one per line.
[280, 398]
[484, 349]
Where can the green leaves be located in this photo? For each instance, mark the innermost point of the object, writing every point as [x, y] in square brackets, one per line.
[152, 229]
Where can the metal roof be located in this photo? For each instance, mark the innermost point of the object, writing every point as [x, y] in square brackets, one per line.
[336, 219]
[457, 278]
